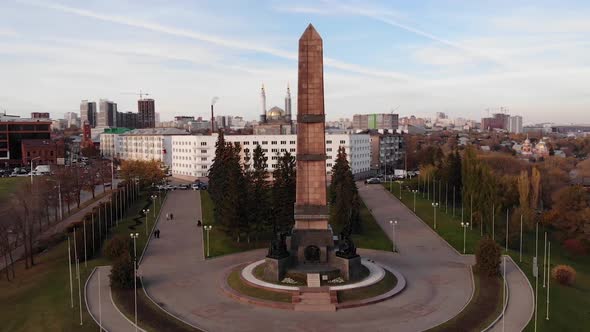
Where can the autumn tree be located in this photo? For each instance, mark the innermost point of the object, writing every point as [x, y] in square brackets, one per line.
[146, 171]
[570, 214]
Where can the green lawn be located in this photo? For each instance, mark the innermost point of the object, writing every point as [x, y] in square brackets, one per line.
[39, 298]
[372, 236]
[221, 243]
[236, 283]
[385, 285]
[9, 185]
[569, 306]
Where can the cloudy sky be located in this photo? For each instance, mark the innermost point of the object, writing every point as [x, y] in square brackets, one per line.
[416, 57]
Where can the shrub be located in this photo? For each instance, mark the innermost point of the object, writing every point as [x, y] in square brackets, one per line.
[118, 246]
[122, 273]
[487, 257]
[564, 274]
[575, 247]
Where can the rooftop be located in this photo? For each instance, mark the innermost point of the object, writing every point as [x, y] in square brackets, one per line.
[156, 132]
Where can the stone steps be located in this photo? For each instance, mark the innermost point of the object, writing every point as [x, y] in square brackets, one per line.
[314, 301]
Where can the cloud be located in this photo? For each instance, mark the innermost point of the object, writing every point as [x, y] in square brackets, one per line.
[208, 38]
[7, 32]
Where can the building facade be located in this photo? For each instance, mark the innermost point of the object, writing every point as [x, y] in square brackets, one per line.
[147, 144]
[193, 155]
[110, 144]
[107, 116]
[380, 121]
[146, 109]
[42, 152]
[514, 124]
[13, 130]
[88, 113]
[40, 115]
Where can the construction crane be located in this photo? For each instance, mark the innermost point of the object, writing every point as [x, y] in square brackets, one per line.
[140, 94]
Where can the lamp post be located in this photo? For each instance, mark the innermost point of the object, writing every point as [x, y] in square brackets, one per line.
[400, 189]
[207, 229]
[393, 223]
[464, 225]
[134, 236]
[434, 206]
[415, 191]
[154, 197]
[145, 211]
[32, 168]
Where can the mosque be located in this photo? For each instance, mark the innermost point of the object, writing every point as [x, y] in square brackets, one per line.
[275, 121]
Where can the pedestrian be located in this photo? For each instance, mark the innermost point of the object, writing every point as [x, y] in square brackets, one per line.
[158, 233]
[167, 216]
[171, 216]
[199, 222]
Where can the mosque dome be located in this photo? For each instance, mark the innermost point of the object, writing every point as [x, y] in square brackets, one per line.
[275, 113]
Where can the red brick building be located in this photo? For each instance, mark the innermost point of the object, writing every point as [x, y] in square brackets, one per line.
[47, 150]
[13, 130]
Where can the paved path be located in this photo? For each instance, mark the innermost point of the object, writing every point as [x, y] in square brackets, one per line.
[520, 307]
[112, 319]
[177, 276]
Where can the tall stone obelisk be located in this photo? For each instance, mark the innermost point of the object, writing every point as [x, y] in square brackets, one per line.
[311, 236]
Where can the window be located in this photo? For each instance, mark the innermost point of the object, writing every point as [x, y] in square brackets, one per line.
[329, 142]
[291, 142]
[274, 158]
[246, 143]
[329, 149]
[342, 142]
[264, 142]
[203, 151]
[273, 142]
[246, 150]
[283, 142]
[329, 165]
[275, 150]
[203, 143]
[204, 167]
[204, 158]
[255, 142]
[292, 150]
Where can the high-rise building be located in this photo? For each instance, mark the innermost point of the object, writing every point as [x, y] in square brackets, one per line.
[497, 121]
[380, 121]
[88, 112]
[72, 120]
[127, 120]
[107, 115]
[147, 113]
[514, 124]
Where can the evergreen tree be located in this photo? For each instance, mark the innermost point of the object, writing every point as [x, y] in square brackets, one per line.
[343, 195]
[218, 175]
[283, 193]
[260, 201]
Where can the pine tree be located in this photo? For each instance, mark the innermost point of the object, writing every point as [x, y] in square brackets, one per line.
[260, 201]
[343, 195]
[283, 193]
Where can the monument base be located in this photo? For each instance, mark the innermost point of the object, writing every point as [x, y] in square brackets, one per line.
[350, 268]
[275, 268]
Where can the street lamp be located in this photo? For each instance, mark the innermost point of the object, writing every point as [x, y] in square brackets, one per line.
[400, 189]
[207, 228]
[134, 236]
[145, 211]
[393, 223]
[434, 206]
[154, 197]
[415, 191]
[32, 168]
[464, 225]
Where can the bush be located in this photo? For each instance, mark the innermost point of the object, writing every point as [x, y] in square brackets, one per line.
[487, 257]
[122, 273]
[564, 274]
[118, 246]
[575, 247]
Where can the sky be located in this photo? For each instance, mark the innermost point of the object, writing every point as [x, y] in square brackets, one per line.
[410, 57]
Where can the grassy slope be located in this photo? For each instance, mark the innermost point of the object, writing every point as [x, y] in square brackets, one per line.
[9, 185]
[372, 237]
[39, 299]
[236, 283]
[568, 305]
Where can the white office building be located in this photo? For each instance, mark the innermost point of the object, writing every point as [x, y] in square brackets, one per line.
[192, 156]
[148, 144]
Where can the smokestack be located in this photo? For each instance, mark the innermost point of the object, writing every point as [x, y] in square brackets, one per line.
[263, 99]
[213, 101]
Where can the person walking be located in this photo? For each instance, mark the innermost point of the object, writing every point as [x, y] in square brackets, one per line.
[199, 223]
[167, 216]
[171, 216]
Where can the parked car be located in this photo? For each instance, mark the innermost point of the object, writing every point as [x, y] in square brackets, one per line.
[373, 181]
[183, 186]
[196, 186]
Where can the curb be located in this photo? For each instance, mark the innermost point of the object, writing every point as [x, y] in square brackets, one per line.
[119, 311]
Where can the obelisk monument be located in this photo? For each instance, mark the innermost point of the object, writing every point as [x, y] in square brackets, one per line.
[310, 246]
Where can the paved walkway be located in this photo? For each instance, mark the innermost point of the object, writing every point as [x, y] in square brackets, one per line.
[104, 310]
[520, 307]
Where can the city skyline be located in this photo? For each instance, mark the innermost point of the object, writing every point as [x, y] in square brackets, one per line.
[423, 58]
